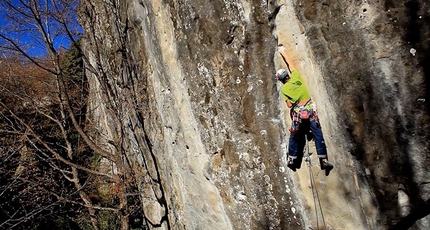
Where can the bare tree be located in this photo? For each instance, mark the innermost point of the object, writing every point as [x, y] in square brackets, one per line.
[42, 120]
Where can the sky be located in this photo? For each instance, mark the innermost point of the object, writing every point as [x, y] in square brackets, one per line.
[23, 31]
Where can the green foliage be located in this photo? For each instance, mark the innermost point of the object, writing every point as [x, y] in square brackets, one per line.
[84, 223]
[72, 63]
[108, 220]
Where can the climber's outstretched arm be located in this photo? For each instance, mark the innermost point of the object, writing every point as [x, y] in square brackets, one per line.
[287, 58]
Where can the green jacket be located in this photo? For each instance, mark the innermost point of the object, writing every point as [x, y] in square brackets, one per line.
[295, 89]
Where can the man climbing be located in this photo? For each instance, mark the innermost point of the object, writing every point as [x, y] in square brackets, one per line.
[305, 122]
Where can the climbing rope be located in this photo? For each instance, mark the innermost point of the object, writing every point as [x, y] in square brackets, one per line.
[314, 188]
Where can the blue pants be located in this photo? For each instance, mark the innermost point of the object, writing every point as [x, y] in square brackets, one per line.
[297, 140]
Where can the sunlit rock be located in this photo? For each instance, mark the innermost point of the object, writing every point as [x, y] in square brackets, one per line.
[192, 96]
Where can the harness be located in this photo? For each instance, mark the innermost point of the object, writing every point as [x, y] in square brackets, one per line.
[302, 112]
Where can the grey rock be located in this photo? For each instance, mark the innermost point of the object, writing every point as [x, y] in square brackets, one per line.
[186, 90]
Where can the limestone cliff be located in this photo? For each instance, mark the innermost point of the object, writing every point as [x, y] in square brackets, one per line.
[185, 90]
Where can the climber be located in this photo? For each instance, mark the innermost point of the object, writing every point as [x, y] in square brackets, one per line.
[305, 122]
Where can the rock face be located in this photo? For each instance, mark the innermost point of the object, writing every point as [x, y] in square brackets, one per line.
[186, 91]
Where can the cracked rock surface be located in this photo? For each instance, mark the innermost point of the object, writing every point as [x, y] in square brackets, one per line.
[189, 89]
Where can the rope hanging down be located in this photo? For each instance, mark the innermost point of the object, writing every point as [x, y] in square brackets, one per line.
[314, 188]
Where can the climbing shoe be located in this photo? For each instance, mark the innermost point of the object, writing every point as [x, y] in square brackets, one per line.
[327, 166]
[291, 164]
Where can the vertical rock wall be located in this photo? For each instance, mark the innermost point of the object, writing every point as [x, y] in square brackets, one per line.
[373, 56]
[185, 89]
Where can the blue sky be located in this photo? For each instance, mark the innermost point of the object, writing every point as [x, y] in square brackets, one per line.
[26, 33]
